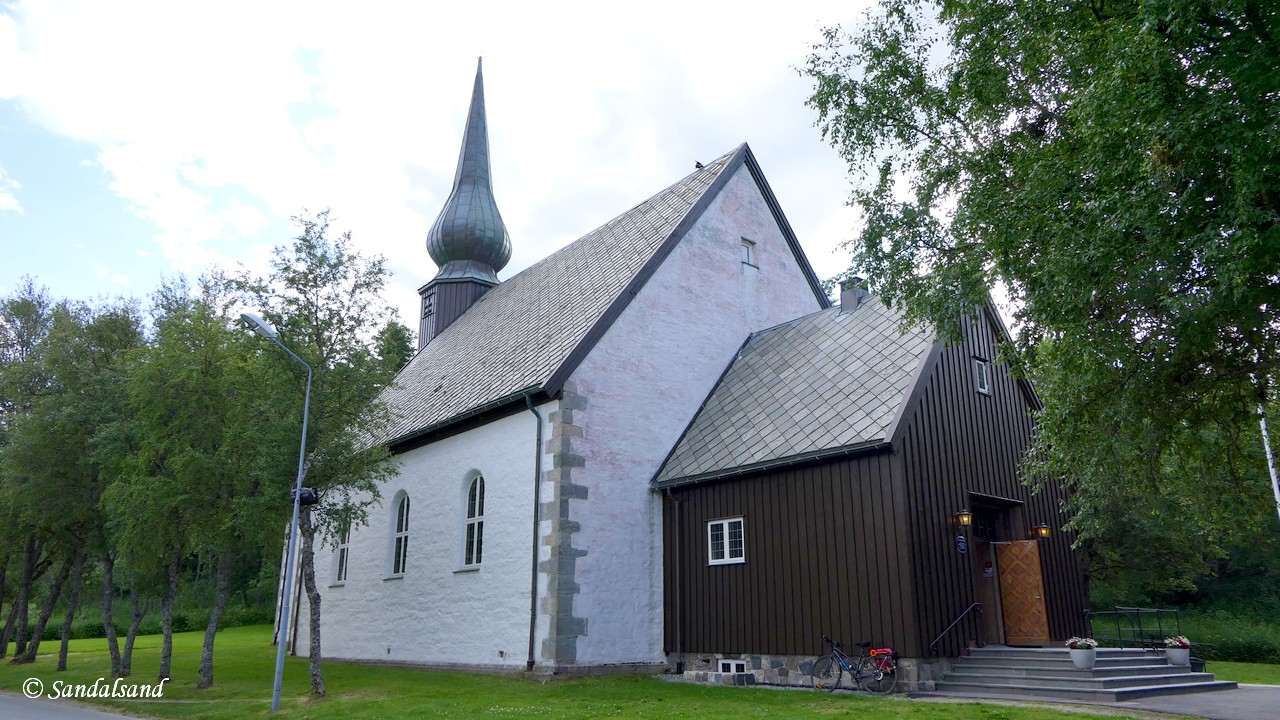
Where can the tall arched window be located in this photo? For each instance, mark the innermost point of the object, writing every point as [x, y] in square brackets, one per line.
[475, 523]
[401, 550]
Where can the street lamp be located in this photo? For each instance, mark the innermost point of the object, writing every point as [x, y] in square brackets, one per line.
[263, 328]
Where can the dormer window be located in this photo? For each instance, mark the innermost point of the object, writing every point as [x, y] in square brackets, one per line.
[748, 253]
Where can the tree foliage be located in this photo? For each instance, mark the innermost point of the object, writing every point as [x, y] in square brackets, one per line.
[1114, 165]
[323, 297]
[149, 453]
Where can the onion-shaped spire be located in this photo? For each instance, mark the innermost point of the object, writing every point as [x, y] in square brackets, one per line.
[469, 239]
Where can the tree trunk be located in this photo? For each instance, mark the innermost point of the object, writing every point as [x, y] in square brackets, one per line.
[73, 601]
[108, 621]
[166, 609]
[215, 616]
[8, 630]
[46, 611]
[23, 597]
[4, 568]
[136, 614]
[307, 557]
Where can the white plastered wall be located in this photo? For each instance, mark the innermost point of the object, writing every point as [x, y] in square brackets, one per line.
[439, 613]
[643, 382]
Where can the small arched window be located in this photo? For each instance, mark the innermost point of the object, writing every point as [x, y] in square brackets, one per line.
[474, 551]
[401, 548]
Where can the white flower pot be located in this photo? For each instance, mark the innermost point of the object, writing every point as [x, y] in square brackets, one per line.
[1084, 658]
[1178, 656]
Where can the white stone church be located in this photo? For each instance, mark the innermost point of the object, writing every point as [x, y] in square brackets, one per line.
[524, 530]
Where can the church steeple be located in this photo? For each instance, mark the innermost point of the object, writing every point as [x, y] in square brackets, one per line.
[469, 238]
[469, 241]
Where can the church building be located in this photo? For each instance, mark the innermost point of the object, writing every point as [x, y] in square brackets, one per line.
[662, 447]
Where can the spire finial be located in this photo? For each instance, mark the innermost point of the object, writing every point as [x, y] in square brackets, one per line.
[469, 239]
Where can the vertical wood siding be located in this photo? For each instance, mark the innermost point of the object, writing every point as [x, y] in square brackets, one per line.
[824, 553]
[863, 548]
[957, 441]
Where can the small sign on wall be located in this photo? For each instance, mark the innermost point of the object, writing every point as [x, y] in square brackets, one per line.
[962, 544]
[988, 570]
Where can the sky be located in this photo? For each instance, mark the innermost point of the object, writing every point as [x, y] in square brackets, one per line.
[142, 140]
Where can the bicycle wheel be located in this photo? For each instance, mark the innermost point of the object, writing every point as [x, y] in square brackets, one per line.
[826, 673]
[878, 675]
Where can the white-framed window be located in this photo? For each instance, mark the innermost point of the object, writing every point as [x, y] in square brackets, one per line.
[344, 544]
[725, 542]
[400, 547]
[982, 375]
[748, 252]
[473, 551]
[733, 666]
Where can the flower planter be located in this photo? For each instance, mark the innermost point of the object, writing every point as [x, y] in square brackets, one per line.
[1084, 658]
[1178, 656]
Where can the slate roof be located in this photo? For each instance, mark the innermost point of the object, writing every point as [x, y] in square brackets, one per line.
[518, 334]
[826, 381]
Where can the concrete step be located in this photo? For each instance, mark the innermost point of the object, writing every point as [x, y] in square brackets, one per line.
[1011, 652]
[1069, 682]
[1050, 661]
[1083, 694]
[1057, 670]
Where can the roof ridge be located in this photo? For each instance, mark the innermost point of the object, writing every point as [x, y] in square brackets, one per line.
[709, 169]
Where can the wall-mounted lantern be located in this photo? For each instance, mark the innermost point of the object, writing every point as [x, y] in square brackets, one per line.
[964, 518]
[1040, 531]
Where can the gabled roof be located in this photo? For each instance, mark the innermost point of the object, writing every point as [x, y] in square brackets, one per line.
[827, 383]
[528, 334]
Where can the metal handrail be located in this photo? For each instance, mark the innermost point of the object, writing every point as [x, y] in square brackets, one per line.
[1133, 629]
[933, 646]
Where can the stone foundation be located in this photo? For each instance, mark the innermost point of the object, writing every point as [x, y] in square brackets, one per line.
[914, 674]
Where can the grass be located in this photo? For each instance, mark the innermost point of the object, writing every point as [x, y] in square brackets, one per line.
[245, 662]
[1255, 673]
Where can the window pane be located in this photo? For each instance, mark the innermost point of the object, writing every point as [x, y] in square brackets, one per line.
[402, 548]
[717, 541]
[468, 557]
[479, 541]
[480, 500]
[402, 517]
[342, 564]
[471, 500]
[735, 539]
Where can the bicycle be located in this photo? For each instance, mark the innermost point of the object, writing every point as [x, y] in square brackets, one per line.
[875, 671]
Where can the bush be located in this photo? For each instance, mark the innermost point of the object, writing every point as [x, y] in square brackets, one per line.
[183, 621]
[1233, 637]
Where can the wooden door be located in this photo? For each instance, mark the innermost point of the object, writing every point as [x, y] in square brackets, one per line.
[1022, 593]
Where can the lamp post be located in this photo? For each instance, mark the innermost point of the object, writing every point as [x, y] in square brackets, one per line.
[263, 328]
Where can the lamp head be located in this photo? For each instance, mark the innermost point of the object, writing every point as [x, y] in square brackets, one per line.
[964, 518]
[258, 325]
[1040, 531]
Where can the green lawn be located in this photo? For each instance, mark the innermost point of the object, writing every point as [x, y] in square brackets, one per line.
[1256, 673]
[245, 662]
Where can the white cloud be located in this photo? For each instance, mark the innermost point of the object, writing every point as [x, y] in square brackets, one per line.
[8, 186]
[119, 279]
[216, 123]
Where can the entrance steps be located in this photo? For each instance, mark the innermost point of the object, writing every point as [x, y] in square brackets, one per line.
[1119, 674]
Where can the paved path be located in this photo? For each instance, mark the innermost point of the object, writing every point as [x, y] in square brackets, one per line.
[17, 707]
[1247, 702]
